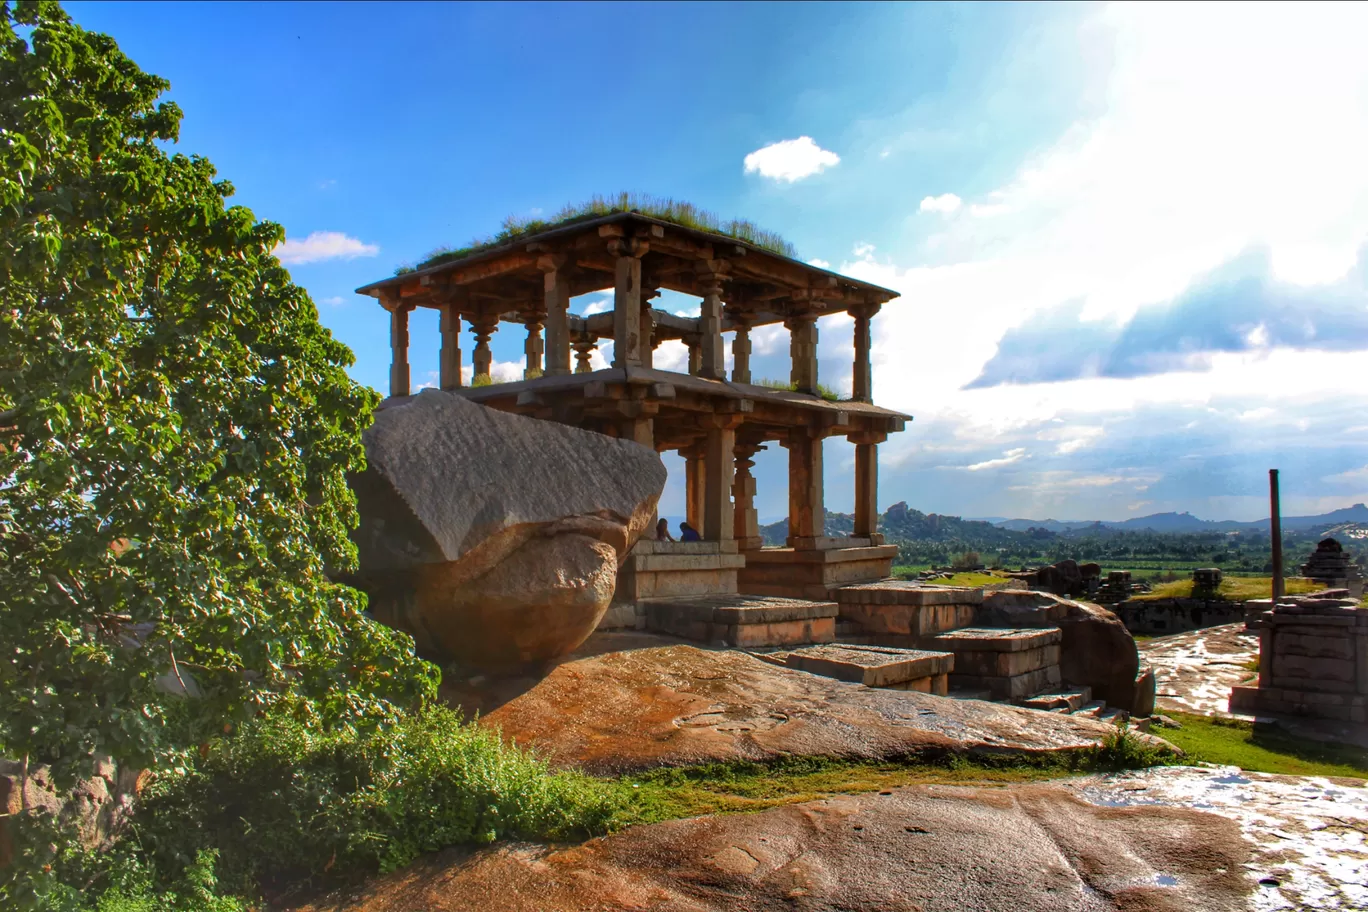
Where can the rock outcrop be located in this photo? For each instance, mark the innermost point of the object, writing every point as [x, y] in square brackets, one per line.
[493, 538]
[1097, 650]
[96, 807]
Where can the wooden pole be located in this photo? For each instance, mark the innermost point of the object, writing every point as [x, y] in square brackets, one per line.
[1275, 531]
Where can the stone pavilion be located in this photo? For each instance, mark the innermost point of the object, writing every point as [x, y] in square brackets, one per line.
[715, 421]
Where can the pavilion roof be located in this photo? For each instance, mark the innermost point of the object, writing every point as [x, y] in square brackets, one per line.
[509, 276]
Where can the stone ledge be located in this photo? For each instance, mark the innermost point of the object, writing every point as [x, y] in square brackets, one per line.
[828, 556]
[904, 592]
[651, 546]
[666, 563]
[995, 639]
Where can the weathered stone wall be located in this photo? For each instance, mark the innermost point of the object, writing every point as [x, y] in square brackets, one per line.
[1158, 617]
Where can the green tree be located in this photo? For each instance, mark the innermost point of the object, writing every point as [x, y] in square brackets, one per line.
[175, 432]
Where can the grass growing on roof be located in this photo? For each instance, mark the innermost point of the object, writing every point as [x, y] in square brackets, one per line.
[666, 209]
[823, 390]
[1262, 749]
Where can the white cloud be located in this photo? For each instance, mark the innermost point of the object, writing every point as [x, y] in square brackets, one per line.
[602, 305]
[1009, 457]
[945, 204]
[864, 250]
[1219, 130]
[790, 160]
[323, 245]
[334, 301]
[820, 264]
[1352, 476]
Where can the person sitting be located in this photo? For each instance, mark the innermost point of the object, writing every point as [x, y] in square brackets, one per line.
[688, 533]
[663, 531]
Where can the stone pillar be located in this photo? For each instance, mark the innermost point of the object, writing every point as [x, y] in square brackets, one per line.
[802, 329]
[556, 302]
[693, 486]
[399, 343]
[711, 360]
[694, 344]
[485, 325]
[584, 353]
[807, 514]
[449, 362]
[741, 352]
[533, 347]
[649, 340]
[866, 484]
[862, 381]
[627, 312]
[745, 522]
[639, 430]
[719, 463]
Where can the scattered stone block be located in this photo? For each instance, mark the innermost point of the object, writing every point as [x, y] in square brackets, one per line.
[1070, 699]
[875, 667]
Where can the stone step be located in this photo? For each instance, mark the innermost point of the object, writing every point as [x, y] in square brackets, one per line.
[1069, 700]
[743, 620]
[1094, 709]
[969, 693]
[874, 666]
[997, 639]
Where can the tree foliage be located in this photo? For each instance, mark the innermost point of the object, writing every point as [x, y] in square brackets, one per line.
[175, 432]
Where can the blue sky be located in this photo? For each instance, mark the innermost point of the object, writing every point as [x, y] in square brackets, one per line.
[1132, 241]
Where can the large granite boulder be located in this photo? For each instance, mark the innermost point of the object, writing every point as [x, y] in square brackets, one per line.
[1097, 650]
[493, 538]
[97, 807]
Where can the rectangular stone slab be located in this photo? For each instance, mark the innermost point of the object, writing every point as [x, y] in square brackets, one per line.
[872, 667]
[903, 592]
[997, 639]
[1005, 664]
[1013, 688]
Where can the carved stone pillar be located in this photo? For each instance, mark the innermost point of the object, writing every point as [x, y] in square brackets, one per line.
[584, 354]
[807, 513]
[399, 344]
[484, 326]
[745, 521]
[695, 346]
[556, 303]
[719, 464]
[862, 385]
[866, 483]
[711, 360]
[449, 361]
[626, 300]
[533, 347]
[693, 485]
[802, 329]
[741, 352]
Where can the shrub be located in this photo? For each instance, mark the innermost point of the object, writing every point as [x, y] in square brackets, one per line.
[281, 802]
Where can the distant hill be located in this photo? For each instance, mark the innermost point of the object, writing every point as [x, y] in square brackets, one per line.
[1186, 522]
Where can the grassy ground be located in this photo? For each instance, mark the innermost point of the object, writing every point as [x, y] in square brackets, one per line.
[969, 578]
[1235, 589]
[667, 794]
[1236, 743]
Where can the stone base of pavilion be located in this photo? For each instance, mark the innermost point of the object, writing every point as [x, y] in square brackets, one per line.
[815, 571]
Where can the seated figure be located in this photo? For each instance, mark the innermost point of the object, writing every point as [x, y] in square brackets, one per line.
[688, 533]
[663, 531]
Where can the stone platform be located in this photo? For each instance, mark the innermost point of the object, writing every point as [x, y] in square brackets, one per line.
[898, 608]
[1313, 661]
[813, 573]
[661, 569]
[872, 666]
[743, 620]
[1011, 664]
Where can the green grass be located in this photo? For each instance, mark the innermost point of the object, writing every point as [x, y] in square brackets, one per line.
[1232, 742]
[1234, 589]
[727, 788]
[823, 390]
[665, 209]
[969, 579]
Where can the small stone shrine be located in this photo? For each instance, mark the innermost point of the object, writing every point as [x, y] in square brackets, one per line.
[1313, 661]
[1332, 565]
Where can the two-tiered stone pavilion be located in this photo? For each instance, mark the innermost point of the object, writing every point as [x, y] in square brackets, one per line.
[717, 423]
